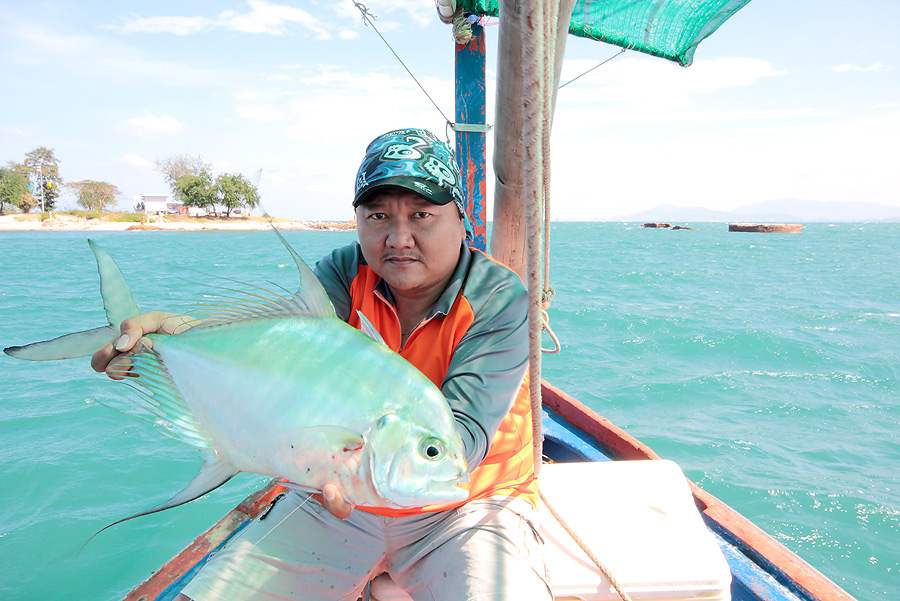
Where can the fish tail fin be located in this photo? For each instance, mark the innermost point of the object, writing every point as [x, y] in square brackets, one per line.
[70, 346]
[117, 299]
[118, 303]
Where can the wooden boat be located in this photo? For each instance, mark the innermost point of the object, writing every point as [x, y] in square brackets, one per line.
[760, 569]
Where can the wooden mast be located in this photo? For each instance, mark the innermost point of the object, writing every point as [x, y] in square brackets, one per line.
[508, 236]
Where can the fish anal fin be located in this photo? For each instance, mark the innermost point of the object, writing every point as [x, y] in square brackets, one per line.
[215, 471]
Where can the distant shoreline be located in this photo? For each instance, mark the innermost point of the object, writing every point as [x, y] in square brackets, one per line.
[63, 222]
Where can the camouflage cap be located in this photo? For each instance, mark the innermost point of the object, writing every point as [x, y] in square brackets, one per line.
[413, 159]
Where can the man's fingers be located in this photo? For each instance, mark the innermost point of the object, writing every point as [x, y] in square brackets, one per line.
[132, 339]
[119, 368]
[102, 357]
[335, 503]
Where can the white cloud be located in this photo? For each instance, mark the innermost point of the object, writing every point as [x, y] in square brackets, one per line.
[422, 12]
[272, 19]
[175, 25]
[135, 161]
[263, 17]
[14, 132]
[150, 125]
[877, 66]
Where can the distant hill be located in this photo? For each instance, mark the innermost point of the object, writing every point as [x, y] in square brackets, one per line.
[781, 211]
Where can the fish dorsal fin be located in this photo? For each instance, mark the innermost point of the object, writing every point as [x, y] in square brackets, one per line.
[311, 294]
[117, 299]
[310, 300]
[366, 327]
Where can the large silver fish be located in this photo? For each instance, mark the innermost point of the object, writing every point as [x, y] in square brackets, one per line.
[278, 385]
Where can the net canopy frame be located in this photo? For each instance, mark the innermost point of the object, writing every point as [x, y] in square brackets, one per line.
[669, 29]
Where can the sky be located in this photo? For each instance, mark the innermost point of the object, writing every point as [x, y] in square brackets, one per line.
[787, 100]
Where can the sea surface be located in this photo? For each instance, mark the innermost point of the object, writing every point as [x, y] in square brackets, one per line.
[766, 365]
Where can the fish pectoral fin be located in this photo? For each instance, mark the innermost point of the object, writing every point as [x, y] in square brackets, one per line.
[70, 346]
[366, 327]
[214, 472]
[298, 487]
[333, 438]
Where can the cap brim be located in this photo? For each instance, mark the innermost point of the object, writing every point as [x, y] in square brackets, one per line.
[427, 190]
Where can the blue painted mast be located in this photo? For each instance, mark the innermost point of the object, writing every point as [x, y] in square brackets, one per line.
[471, 129]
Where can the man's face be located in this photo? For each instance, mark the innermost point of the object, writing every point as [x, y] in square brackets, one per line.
[411, 243]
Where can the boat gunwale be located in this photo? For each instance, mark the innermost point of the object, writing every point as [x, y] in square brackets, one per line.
[161, 581]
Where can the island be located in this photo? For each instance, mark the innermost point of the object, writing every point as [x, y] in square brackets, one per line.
[785, 228]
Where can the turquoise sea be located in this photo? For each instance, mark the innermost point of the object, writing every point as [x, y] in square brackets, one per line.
[767, 365]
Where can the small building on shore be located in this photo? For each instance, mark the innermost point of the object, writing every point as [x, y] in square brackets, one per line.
[159, 204]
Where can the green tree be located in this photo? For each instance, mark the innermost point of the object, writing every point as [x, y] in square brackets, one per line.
[234, 191]
[178, 166]
[95, 196]
[13, 188]
[27, 201]
[42, 168]
[197, 191]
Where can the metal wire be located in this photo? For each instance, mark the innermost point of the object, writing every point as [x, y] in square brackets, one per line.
[619, 53]
[368, 18]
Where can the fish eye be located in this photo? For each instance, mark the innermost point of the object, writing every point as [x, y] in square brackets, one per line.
[431, 449]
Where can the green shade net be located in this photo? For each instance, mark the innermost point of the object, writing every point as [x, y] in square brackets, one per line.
[671, 29]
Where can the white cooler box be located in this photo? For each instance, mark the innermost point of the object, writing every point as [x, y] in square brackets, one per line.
[638, 518]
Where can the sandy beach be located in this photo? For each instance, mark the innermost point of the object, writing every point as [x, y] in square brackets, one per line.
[65, 222]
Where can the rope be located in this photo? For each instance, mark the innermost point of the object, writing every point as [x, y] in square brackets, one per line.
[533, 96]
[620, 52]
[551, 22]
[368, 18]
[539, 30]
[603, 569]
[462, 28]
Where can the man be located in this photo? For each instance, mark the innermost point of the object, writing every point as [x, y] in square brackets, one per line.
[460, 318]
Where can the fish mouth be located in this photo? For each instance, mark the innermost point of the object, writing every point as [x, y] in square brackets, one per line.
[446, 492]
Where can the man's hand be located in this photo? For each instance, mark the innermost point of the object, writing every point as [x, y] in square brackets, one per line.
[112, 357]
[334, 502]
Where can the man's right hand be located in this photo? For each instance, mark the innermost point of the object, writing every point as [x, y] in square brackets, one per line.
[112, 357]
